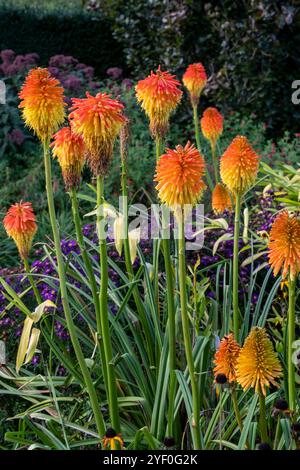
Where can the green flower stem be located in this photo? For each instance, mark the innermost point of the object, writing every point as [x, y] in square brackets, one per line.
[262, 419]
[236, 408]
[64, 297]
[171, 332]
[103, 297]
[129, 268]
[215, 163]
[186, 334]
[197, 135]
[32, 283]
[290, 341]
[91, 277]
[171, 315]
[236, 267]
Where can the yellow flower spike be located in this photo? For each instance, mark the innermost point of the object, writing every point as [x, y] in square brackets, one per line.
[179, 176]
[284, 245]
[239, 166]
[19, 223]
[70, 151]
[194, 79]
[226, 358]
[221, 200]
[98, 119]
[258, 366]
[42, 103]
[159, 94]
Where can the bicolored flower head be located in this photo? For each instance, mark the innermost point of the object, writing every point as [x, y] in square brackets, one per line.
[70, 151]
[239, 166]
[194, 79]
[19, 223]
[42, 103]
[98, 119]
[179, 176]
[221, 200]
[212, 125]
[112, 440]
[159, 94]
[258, 366]
[226, 358]
[284, 245]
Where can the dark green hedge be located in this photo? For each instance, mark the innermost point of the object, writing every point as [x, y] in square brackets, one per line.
[81, 35]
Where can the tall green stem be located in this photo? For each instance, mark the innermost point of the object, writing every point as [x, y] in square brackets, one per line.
[32, 283]
[64, 297]
[171, 312]
[236, 408]
[197, 136]
[215, 162]
[129, 268]
[290, 341]
[91, 277]
[236, 267]
[103, 298]
[262, 419]
[186, 334]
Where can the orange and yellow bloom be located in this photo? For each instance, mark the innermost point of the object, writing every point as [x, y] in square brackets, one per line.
[98, 119]
[212, 125]
[42, 103]
[69, 149]
[239, 166]
[112, 440]
[284, 245]
[19, 223]
[179, 176]
[258, 366]
[221, 200]
[159, 94]
[226, 358]
[194, 79]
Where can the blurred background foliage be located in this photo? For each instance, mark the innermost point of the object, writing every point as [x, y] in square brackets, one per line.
[250, 48]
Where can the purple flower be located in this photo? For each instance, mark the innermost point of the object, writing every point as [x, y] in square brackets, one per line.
[114, 72]
[16, 137]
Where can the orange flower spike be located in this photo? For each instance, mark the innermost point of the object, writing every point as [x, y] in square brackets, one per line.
[159, 94]
[221, 199]
[239, 166]
[284, 245]
[19, 223]
[226, 358]
[98, 119]
[212, 125]
[179, 176]
[69, 149]
[258, 366]
[42, 103]
[194, 79]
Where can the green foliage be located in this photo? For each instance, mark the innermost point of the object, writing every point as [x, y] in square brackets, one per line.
[69, 32]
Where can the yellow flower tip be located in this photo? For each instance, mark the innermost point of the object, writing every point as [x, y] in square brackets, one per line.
[258, 366]
[239, 166]
[221, 200]
[42, 103]
[70, 151]
[112, 440]
[159, 94]
[226, 358]
[284, 245]
[212, 125]
[195, 79]
[98, 119]
[179, 176]
[19, 223]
